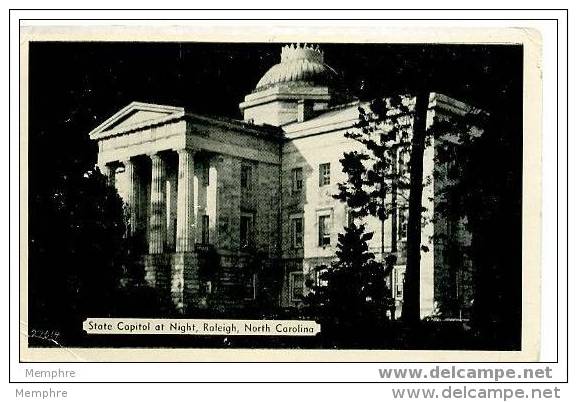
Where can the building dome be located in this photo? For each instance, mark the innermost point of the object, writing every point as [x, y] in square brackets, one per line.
[299, 63]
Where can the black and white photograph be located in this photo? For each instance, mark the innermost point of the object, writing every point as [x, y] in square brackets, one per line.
[294, 195]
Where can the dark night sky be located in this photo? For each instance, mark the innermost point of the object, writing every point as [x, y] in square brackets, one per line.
[75, 86]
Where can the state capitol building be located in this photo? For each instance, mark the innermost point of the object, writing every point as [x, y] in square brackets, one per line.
[219, 206]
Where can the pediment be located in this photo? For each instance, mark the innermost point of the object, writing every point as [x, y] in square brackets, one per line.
[134, 116]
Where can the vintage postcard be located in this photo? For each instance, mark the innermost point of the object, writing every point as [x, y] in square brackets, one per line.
[226, 193]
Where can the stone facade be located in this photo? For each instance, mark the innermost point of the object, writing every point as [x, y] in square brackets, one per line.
[229, 210]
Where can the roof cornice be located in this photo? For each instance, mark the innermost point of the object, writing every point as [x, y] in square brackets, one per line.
[171, 113]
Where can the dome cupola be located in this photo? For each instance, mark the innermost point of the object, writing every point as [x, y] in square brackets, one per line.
[302, 64]
[294, 90]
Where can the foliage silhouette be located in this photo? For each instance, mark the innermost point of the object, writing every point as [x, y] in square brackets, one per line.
[352, 289]
[87, 270]
[384, 131]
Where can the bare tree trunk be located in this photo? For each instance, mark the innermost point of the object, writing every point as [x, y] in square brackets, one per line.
[394, 206]
[411, 301]
[394, 230]
[382, 219]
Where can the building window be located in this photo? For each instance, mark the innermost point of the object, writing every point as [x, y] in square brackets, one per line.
[324, 230]
[320, 270]
[205, 232]
[246, 237]
[296, 284]
[297, 232]
[350, 218]
[403, 222]
[246, 177]
[324, 174]
[297, 180]
[403, 159]
[399, 282]
[223, 225]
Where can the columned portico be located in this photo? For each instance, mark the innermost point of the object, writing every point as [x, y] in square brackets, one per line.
[157, 233]
[186, 219]
[177, 170]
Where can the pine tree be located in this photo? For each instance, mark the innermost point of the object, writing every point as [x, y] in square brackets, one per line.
[353, 282]
[384, 131]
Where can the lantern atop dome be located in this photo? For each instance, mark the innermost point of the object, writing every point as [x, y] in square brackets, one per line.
[302, 63]
[298, 51]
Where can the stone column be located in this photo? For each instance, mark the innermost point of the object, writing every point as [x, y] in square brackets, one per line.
[132, 195]
[157, 231]
[212, 198]
[185, 216]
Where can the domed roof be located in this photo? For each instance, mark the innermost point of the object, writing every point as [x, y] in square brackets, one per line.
[298, 64]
